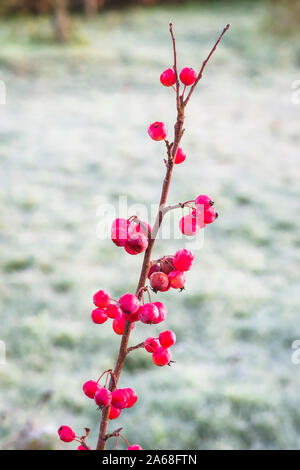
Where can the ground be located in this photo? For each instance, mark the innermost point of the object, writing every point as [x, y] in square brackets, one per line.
[73, 136]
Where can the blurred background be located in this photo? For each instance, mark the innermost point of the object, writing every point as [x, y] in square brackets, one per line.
[82, 85]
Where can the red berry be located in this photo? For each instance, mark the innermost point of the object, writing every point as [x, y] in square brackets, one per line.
[90, 388]
[167, 264]
[159, 281]
[132, 397]
[119, 398]
[114, 413]
[152, 344]
[99, 315]
[154, 268]
[81, 447]
[148, 313]
[167, 338]
[129, 303]
[188, 76]
[177, 279]
[168, 77]
[210, 215]
[183, 260]
[134, 447]
[189, 225]
[158, 131]
[162, 357]
[136, 243]
[101, 299]
[103, 397]
[163, 312]
[119, 231]
[180, 156]
[203, 202]
[113, 311]
[138, 228]
[119, 325]
[66, 434]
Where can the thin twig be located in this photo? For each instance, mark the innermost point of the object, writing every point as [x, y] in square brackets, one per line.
[175, 67]
[113, 434]
[137, 346]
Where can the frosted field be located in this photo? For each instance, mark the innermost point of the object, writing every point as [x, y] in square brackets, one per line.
[73, 136]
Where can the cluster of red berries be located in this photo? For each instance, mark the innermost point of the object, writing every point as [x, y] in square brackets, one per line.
[130, 235]
[202, 214]
[159, 131]
[159, 347]
[187, 76]
[169, 271]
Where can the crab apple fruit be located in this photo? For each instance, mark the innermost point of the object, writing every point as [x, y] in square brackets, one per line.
[183, 260]
[161, 357]
[188, 76]
[131, 317]
[162, 312]
[99, 316]
[90, 388]
[81, 447]
[129, 303]
[136, 243]
[166, 264]
[132, 397]
[154, 268]
[168, 77]
[210, 215]
[119, 231]
[139, 228]
[119, 325]
[101, 299]
[189, 225]
[148, 313]
[134, 447]
[177, 279]
[158, 131]
[119, 398]
[114, 412]
[66, 434]
[159, 281]
[152, 344]
[103, 397]
[180, 156]
[203, 202]
[167, 338]
[113, 311]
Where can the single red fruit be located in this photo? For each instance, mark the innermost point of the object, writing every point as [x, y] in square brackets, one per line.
[90, 388]
[129, 303]
[167, 264]
[137, 243]
[168, 77]
[167, 338]
[134, 447]
[189, 225]
[188, 76]
[152, 344]
[119, 231]
[66, 434]
[113, 311]
[183, 260]
[119, 325]
[162, 357]
[148, 313]
[137, 227]
[103, 397]
[180, 156]
[132, 397]
[158, 131]
[81, 447]
[154, 268]
[101, 299]
[177, 279]
[114, 413]
[203, 202]
[119, 398]
[99, 316]
[210, 215]
[159, 282]
[163, 312]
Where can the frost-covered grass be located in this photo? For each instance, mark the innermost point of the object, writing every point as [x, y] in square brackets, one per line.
[73, 135]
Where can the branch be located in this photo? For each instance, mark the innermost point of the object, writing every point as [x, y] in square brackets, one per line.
[113, 434]
[204, 64]
[132, 348]
[175, 67]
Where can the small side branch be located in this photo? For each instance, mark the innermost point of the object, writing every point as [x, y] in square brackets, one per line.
[175, 67]
[138, 346]
[115, 433]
